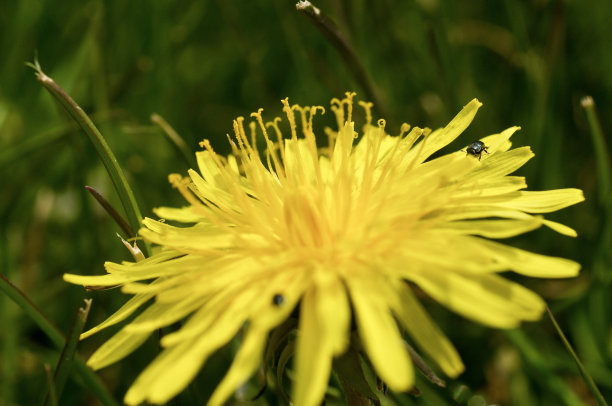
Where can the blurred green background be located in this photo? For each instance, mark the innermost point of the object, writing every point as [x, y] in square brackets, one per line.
[200, 64]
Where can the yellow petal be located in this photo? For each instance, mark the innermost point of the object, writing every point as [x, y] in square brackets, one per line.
[334, 325]
[493, 228]
[244, 365]
[313, 355]
[198, 237]
[175, 367]
[479, 187]
[441, 138]
[560, 228]
[502, 163]
[124, 312]
[381, 337]
[529, 263]
[119, 346]
[159, 315]
[488, 299]
[499, 142]
[209, 169]
[186, 214]
[425, 333]
[545, 201]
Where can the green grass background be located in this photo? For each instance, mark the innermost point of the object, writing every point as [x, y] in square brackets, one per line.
[200, 64]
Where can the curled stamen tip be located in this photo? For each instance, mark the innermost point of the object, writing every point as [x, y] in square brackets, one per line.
[175, 179]
[204, 143]
[257, 114]
[381, 123]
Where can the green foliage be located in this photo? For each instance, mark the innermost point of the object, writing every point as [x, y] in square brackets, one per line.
[200, 64]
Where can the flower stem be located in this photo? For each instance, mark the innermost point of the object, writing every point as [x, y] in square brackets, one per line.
[90, 379]
[585, 374]
[104, 152]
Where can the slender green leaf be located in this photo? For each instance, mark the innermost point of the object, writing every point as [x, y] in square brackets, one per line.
[110, 210]
[585, 374]
[89, 377]
[600, 147]
[175, 139]
[52, 395]
[65, 363]
[106, 155]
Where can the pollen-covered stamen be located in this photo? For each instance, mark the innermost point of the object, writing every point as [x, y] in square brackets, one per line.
[253, 130]
[367, 108]
[337, 107]
[270, 150]
[290, 116]
[279, 137]
[241, 137]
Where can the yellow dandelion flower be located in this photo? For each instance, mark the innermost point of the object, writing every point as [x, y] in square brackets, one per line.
[333, 231]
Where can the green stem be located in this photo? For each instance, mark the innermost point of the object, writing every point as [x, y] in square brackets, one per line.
[104, 152]
[585, 374]
[89, 377]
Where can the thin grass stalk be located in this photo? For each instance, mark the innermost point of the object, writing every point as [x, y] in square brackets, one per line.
[65, 362]
[126, 196]
[585, 374]
[90, 379]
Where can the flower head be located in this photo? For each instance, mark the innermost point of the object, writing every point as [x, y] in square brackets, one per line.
[338, 232]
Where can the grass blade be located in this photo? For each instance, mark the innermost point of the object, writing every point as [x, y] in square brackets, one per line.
[175, 139]
[65, 363]
[104, 152]
[110, 210]
[52, 396]
[542, 370]
[585, 374]
[89, 377]
[600, 147]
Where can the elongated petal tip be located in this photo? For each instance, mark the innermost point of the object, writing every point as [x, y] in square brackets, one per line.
[474, 103]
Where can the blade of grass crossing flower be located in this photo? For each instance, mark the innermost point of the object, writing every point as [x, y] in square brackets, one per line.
[585, 374]
[106, 154]
[65, 362]
[89, 377]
